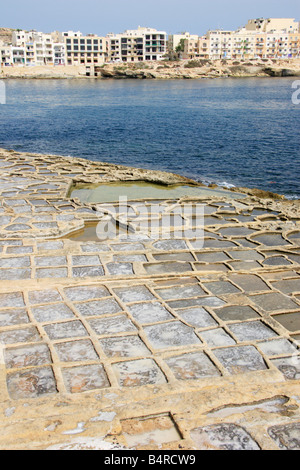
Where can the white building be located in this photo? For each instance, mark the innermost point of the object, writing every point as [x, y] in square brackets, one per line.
[34, 48]
[44, 50]
[5, 54]
[142, 44]
[73, 34]
[220, 44]
[59, 53]
[18, 55]
[19, 38]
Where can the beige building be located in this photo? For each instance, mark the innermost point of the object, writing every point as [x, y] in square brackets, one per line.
[196, 48]
[289, 25]
[86, 50]
[270, 38]
[282, 45]
[137, 45]
[174, 39]
[243, 45]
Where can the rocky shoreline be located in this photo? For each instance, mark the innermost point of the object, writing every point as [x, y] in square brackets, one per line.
[196, 69]
[163, 70]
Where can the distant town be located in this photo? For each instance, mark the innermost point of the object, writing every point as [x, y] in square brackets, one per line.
[271, 38]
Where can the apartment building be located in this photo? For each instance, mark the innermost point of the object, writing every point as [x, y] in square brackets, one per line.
[196, 48]
[142, 44]
[18, 56]
[86, 50]
[19, 38]
[5, 54]
[258, 39]
[289, 25]
[220, 44]
[272, 45]
[277, 38]
[174, 39]
[59, 54]
[33, 48]
[126, 47]
[43, 49]
[282, 45]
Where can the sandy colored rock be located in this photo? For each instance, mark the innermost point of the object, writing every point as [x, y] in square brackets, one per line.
[164, 70]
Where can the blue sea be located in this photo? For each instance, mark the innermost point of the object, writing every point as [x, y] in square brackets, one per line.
[241, 132]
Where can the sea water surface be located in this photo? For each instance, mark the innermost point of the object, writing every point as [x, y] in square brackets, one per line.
[242, 132]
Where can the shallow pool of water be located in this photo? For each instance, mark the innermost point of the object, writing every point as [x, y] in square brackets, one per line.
[133, 190]
[96, 231]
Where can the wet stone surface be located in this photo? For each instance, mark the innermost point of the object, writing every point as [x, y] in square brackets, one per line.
[83, 378]
[32, 383]
[192, 366]
[149, 312]
[240, 359]
[74, 351]
[138, 373]
[173, 334]
[223, 437]
[289, 366]
[287, 436]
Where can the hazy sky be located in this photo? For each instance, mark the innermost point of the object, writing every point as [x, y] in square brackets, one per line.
[103, 16]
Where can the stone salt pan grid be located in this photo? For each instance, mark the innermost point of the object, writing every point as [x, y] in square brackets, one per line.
[140, 315]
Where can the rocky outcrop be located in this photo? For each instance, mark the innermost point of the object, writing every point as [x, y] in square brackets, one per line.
[163, 70]
[281, 72]
[201, 69]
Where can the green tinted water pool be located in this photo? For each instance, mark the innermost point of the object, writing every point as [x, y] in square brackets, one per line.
[133, 190]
